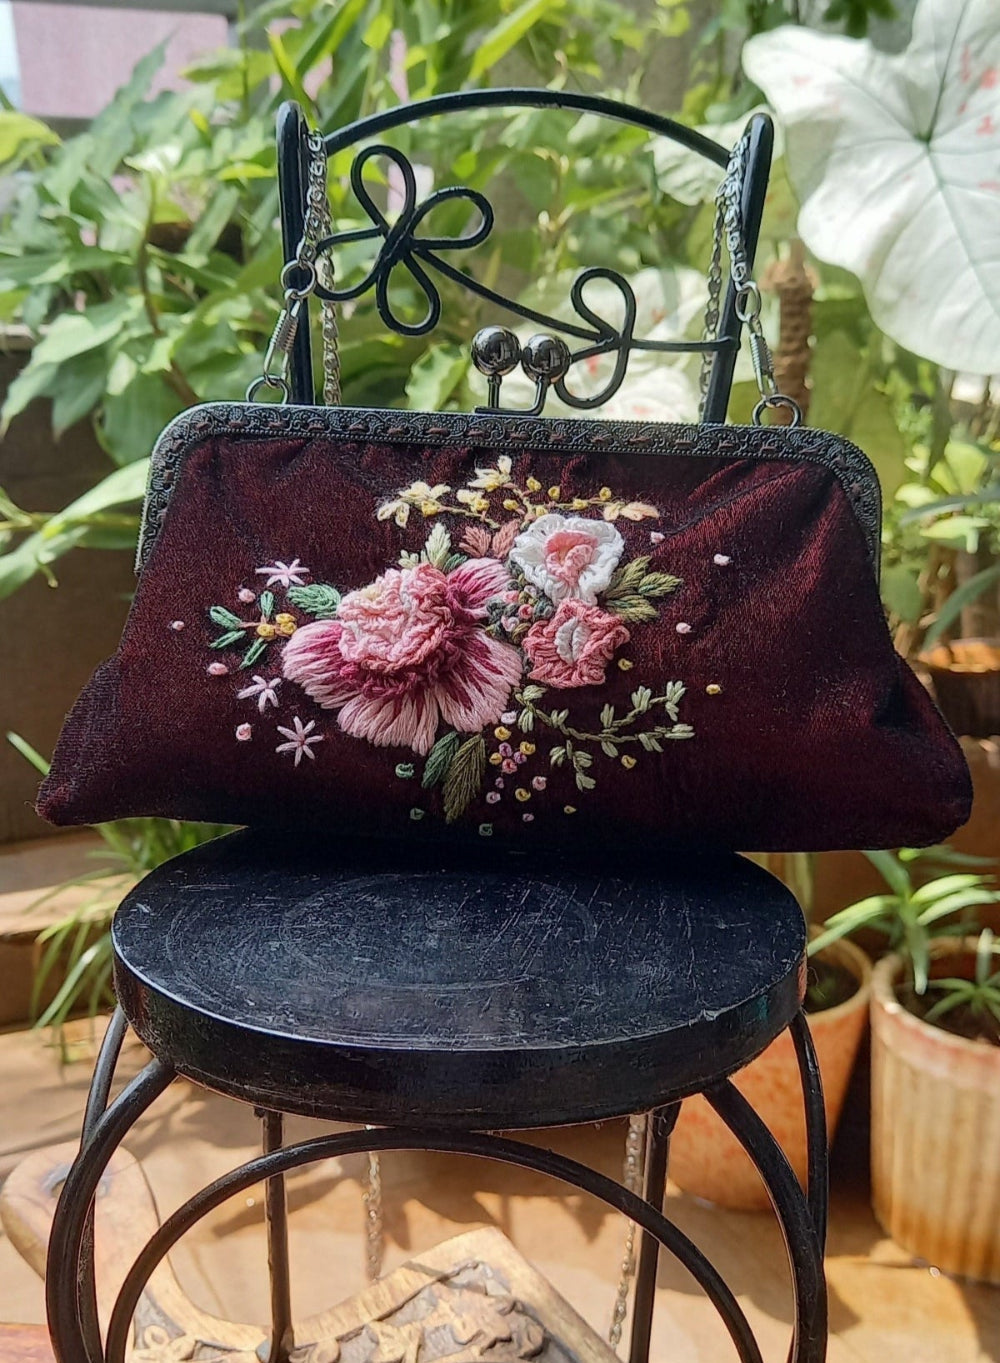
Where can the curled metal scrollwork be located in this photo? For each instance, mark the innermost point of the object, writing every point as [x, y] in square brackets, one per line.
[402, 246]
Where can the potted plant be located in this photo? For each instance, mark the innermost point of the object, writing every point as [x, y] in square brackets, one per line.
[705, 1157]
[935, 1012]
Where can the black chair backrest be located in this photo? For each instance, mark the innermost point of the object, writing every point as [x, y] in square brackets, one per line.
[402, 245]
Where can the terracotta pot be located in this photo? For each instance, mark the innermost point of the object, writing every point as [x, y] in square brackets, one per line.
[935, 1136]
[966, 677]
[705, 1157]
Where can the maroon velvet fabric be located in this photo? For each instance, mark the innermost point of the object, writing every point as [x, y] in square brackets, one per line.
[808, 731]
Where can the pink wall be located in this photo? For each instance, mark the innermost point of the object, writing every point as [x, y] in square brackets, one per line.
[74, 57]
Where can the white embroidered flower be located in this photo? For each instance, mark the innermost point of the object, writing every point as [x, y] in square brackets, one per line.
[568, 557]
[261, 690]
[299, 739]
[491, 479]
[284, 574]
[397, 509]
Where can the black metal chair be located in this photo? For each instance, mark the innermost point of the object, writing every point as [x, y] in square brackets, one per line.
[436, 1000]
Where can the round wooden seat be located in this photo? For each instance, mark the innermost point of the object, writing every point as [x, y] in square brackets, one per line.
[404, 988]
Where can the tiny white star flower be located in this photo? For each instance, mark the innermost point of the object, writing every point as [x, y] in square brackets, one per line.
[283, 574]
[299, 739]
[261, 690]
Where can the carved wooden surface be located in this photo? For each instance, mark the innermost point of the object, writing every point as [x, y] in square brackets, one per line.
[472, 1298]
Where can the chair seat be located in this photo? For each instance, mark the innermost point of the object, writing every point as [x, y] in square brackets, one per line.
[421, 988]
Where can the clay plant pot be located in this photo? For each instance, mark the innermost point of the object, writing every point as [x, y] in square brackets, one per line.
[705, 1157]
[935, 1136]
[966, 677]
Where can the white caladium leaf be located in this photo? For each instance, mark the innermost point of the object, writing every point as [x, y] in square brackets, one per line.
[896, 161]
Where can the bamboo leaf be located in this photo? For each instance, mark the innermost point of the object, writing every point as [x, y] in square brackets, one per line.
[227, 640]
[253, 652]
[958, 600]
[659, 584]
[464, 777]
[266, 603]
[220, 616]
[633, 608]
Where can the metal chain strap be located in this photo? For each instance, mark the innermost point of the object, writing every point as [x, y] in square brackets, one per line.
[374, 1227]
[728, 227]
[299, 279]
[632, 1178]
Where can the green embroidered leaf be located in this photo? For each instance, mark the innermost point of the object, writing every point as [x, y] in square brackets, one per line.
[581, 760]
[681, 731]
[640, 698]
[650, 742]
[266, 603]
[438, 546]
[659, 584]
[464, 777]
[526, 721]
[627, 578]
[439, 760]
[220, 616]
[453, 561]
[227, 640]
[317, 599]
[609, 749]
[633, 608]
[253, 652]
[584, 782]
[557, 756]
[532, 692]
[608, 716]
[404, 770]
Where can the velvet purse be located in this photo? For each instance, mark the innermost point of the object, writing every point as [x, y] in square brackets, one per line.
[550, 632]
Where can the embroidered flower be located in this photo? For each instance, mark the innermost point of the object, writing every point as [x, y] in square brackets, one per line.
[406, 652]
[244, 733]
[283, 574]
[262, 690]
[299, 739]
[568, 556]
[491, 479]
[574, 646]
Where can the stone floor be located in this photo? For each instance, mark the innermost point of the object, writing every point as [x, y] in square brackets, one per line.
[884, 1309]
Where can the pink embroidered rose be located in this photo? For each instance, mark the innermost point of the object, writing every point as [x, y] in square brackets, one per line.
[574, 647]
[568, 556]
[406, 652]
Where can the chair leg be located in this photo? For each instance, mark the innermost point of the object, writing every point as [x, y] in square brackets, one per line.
[805, 1254]
[661, 1124]
[69, 1271]
[276, 1216]
[816, 1134]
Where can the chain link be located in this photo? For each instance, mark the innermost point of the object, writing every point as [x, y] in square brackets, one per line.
[299, 278]
[632, 1178]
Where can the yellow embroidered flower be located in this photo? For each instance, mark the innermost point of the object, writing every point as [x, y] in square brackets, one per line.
[628, 762]
[501, 733]
[569, 809]
[578, 504]
[495, 759]
[522, 794]
[491, 479]
[553, 492]
[510, 505]
[430, 508]
[713, 689]
[265, 630]
[285, 623]
[625, 665]
[527, 748]
[605, 494]
[475, 501]
[533, 485]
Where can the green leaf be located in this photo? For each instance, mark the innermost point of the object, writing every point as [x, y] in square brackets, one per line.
[227, 640]
[499, 41]
[34, 381]
[29, 753]
[438, 546]
[317, 599]
[132, 421]
[439, 760]
[219, 615]
[626, 579]
[892, 872]
[659, 584]
[435, 376]
[634, 609]
[958, 600]
[901, 593]
[266, 603]
[74, 333]
[464, 777]
[253, 652]
[78, 390]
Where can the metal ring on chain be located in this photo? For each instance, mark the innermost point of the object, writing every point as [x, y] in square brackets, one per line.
[268, 381]
[775, 400]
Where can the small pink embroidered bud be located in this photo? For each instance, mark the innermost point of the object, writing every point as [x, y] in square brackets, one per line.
[527, 818]
[520, 758]
[499, 783]
[656, 537]
[243, 732]
[721, 560]
[509, 717]
[682, 627]
[492, 797]
[525, 612]
[506, 750]
[246, 595]
[539, 782]
[218, 670]
[508, 766]
[177, 625]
